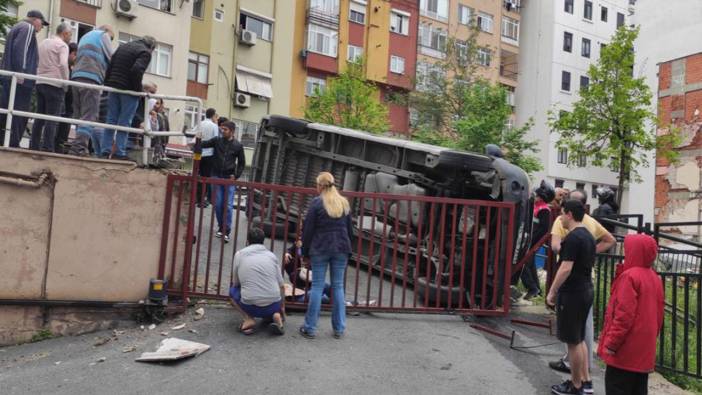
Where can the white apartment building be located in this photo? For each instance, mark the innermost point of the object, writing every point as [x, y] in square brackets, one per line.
[560, 39]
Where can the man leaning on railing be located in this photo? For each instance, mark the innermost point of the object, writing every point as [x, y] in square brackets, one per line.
[20, 56]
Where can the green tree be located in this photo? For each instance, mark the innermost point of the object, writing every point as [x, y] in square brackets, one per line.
[455, 107]
[350, 101]
[611, 123]
[6, 21]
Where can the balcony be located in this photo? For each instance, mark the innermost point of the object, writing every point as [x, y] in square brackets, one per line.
[327, 17]
[509, 65]
[92, 3]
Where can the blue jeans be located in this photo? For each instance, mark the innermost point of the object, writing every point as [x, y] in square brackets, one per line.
[225, 224]
[337, 262]
[120, 111]
[96, 138]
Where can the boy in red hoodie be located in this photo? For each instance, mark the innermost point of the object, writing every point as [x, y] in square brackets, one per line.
[633, 319]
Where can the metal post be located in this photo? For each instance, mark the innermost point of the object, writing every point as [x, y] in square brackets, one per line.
[10, 107]
[147, 129]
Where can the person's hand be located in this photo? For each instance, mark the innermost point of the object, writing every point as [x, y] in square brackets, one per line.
[198, 135]
[287, 258]
[551, 299]
[608, 351]
[20, 80]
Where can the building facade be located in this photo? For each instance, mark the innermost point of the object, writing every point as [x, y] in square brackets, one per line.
[331, 33]
[560, 40]
[671, 63]
[498, 24]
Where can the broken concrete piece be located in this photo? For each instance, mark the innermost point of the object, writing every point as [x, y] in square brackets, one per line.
[178, 327]
[192, 331]
[115, 332]
[102, 341]
[173, 349]
[164, 333]
[199, 314]
[102, 359]
[152, 326]
[129, 349]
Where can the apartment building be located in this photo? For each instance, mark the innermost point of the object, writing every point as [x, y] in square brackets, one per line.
[559, 41]
[162, 19]
[239, 56]
[331, 33]
[498, 23]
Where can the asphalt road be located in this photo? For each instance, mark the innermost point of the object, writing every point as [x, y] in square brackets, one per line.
[386, 353]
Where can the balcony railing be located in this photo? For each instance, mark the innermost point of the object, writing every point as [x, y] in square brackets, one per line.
[93, 3]
[323, 17]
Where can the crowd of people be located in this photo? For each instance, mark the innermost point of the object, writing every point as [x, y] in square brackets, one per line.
[92, 61]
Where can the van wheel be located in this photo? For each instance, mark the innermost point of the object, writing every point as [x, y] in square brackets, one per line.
[293, 126]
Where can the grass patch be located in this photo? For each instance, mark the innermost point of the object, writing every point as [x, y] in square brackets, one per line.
[42, 334]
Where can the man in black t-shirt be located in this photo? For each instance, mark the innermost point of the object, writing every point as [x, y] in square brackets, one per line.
[572, 294]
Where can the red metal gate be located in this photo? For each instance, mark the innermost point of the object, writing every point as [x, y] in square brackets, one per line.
[413, 254]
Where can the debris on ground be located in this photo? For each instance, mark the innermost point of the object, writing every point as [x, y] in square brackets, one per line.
[192, 331]
[102, 359]
[152, 327]
[129, 349]
[178, 327]
[142, 327]
[173, 349]
[164, 333]
[199, 314]
[116, 333]
[57, 363]
[101, 341]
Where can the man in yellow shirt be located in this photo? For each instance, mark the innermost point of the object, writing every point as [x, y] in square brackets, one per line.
[605, 241]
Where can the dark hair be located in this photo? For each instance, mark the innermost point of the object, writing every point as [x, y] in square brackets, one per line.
[210, 113]
[228, 124]
[582, 192]
[575, 207]
[256, 236]
[222, 120]
[72, 47]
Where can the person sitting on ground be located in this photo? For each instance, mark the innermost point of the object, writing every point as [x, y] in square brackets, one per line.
[257, 289]
[633, 319]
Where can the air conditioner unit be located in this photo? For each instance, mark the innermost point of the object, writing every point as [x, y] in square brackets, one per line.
[247, 37]
[126, 8]
[242, 100]
[511, 5]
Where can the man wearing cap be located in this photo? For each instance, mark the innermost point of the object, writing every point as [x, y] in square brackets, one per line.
[21, 56]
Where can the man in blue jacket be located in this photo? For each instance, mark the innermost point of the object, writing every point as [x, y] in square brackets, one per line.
[92, 60]
[21, 55]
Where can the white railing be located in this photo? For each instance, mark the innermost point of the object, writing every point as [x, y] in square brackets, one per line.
[146, 130]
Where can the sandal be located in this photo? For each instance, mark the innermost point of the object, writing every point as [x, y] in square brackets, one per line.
[247, 331]
[278, 329]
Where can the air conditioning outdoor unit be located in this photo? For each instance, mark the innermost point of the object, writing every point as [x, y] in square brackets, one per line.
[247, 37]
[126, 8]
[242, 100]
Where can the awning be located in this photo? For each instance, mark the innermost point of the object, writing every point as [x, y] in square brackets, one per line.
[254, 84]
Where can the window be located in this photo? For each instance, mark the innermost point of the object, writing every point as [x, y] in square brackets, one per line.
[584, 82]
[190, 116]
[330, 7]
[568, 6]
[620, 19]
[565, 81]
[160, 58]
[198, 66]
[259, 26]
[432, 37]
[437, 9]
[510, 28]
[563, 155]
[603, 14]
[427, 75]
[353, 53]
[579, 186]
[587, 10]
[464, 14]
[585, 49]
[357, 12]
[484, 56]
[582, 160]
[198, 8]
[593, 194]
[219, 15]
[461, 52]
[568, 42]
[399, 22]
[314, 86]
[397, 64]
[162, 5]
[510, 95]
[322, 40]
[559, 183]
[485, 22]
[78, 29]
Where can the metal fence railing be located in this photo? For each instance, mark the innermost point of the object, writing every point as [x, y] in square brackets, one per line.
[146, 131]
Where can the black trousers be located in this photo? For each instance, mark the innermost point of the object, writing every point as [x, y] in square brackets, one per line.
[50, 100]
[205, 171]
[623, 382]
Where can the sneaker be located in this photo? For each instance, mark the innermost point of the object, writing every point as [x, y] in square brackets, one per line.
[305, 333]
[560, 366]
[566, 388]
[338, 335]
[226, 238]
[531, 294]
[587, 387]
[218, 234]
